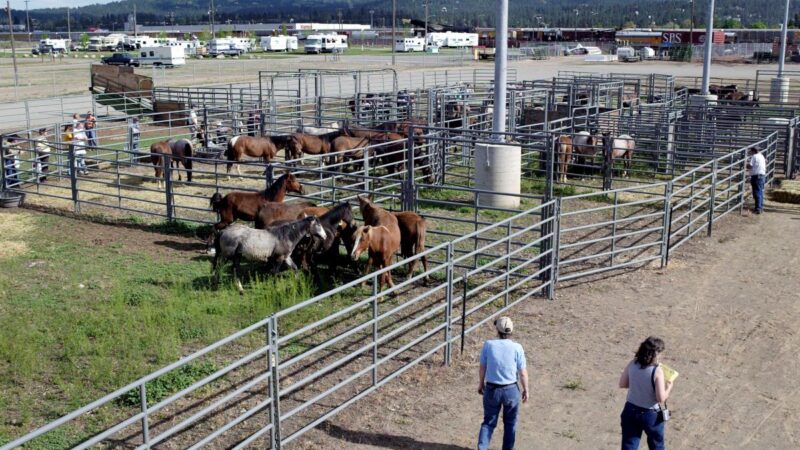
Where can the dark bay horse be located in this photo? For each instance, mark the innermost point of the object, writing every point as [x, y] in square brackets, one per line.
[310, 144]
[312, 250]
[255, 147]
[180, 151]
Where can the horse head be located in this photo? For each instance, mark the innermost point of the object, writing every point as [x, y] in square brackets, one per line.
[315, 228]
[360, 239]
[293, 184]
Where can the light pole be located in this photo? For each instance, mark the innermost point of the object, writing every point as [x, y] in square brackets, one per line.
[691, 27]
[709, 42]
[426, 23]
[13, 49]
[782, 57]
[211, 19]
[27, 20]
[69, 26]
[371, 14]
[500, 67]
[576, 25]
[394, 27]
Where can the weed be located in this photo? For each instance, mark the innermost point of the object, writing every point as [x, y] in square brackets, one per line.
[169, 383]
[569, 434]
[574, 385]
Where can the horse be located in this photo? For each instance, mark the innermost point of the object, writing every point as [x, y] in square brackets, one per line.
[353, 146]
[621, 147]
[273, 245]
[382, 238]
[244, 205]
[179, 150]
[300, 143]
[318, 131]
[256, 147]
[392, 151]
[562, 147]
[270, 213]
[412, 239]
[585, 144]
[335, 221]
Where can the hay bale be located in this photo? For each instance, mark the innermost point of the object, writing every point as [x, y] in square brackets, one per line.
[788, 192]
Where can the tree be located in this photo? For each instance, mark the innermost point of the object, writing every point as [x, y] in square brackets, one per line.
[283, 30]
[204, 36]
[629, 24]
[162, 34]
[758, 25]
[84, 40]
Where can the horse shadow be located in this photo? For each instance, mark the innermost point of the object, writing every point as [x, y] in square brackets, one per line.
[184, 247]
[383, 440]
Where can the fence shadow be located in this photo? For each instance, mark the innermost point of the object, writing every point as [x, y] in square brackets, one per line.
[383, 440]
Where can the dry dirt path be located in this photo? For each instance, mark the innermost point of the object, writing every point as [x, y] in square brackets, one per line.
[728, 308]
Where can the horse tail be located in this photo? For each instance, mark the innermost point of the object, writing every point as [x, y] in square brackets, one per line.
[422, 228]
[188, 152]
[216, 202]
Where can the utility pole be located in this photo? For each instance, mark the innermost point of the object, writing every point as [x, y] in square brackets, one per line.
[211, 18]
[426, 22]
[394, 27]
[69, 26]
[709, 43]
[371, 13]
[135, 32]
[782, 56]
[691, 28]
[27, 20]
[13, 49]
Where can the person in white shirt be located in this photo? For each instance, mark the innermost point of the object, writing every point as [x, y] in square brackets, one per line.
[80, 141]
[757, 165]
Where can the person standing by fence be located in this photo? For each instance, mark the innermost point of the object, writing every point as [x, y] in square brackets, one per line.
[11, 162]
[503, 369]
[757, 165]
[647, 388]
[42, 155]
[91, 132]
[79, 144]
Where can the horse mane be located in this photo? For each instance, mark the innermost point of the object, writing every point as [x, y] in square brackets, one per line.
[335, 214]
[275, 187]
[293, 231]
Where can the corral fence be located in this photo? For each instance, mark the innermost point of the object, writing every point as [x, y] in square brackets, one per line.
[288, 373]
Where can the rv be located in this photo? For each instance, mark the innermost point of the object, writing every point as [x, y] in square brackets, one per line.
[168, 55]
[450, 39]
[54, 45]
[136, 42]
[106, 43]
[279, 43]
[413, 44]
[326, 43]
[223, 46]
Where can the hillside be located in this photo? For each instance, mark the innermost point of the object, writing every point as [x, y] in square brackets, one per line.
[562, 13]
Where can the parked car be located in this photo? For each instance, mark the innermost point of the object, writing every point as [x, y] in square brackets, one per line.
[121, 59]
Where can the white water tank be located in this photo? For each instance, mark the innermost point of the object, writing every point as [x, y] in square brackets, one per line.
[498, 168]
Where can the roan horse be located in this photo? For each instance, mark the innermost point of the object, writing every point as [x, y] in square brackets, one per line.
[312, 250]
[244, 205]
[274, 245]
[621, 147]
[256, 147]
[179, 151]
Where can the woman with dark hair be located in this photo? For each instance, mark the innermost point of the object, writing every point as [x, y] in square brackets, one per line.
[647, 389]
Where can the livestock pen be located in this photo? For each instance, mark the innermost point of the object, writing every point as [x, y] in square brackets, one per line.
[288, 372]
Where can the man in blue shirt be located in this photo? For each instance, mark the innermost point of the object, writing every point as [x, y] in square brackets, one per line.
[502, 371]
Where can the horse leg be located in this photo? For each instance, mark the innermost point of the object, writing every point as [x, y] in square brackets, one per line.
[366, 270]
[290, 263]
[237, 259]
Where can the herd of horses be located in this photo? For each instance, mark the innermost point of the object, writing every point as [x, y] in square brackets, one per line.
[303, 235]
[583, 145]
[336, 145]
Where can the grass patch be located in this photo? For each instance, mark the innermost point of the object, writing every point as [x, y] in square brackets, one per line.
[574, 385]
[170, 383]
[79, 320]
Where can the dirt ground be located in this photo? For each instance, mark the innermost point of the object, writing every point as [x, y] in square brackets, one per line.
[726, 307]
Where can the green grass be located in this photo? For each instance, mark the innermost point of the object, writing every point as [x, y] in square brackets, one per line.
[78, 320]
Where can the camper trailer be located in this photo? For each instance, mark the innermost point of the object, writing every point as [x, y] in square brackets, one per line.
[325, 43]
[106, 43]
[54, 45]
[414, 44]
[223, 46]
[136, 42]
[167, 55]
[279, 43]
[450, 39]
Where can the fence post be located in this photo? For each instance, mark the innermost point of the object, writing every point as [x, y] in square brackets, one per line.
[464, 287]
[3, 161]
[145, 425]
[614, 215]
[608, 163]
[168, 186]
[73, 179]
[275, 385]
[554, 249]
[375, 330]
[666, 224]
[410, 181]
[508, 261]
[712, 195]
[205, 127]
[448, 312]
[512, 112]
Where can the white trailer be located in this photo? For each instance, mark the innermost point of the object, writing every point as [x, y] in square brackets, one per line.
[54, 45]
[325, 43]
[135, 42]
[450, 39]
[278, 43]
[223, 46]
[414, 44]
[168, 55]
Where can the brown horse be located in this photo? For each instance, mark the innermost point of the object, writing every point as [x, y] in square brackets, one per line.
[353, 146]
[244, 205]
[310, 144]
[179, 151]
[563, 153]
[412, 239]
[269, 213]
[256, 147]
[585, 144]
[384, 244]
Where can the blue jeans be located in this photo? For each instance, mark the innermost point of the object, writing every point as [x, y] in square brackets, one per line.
[506, 398]
[635, 420]
[757, 182]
